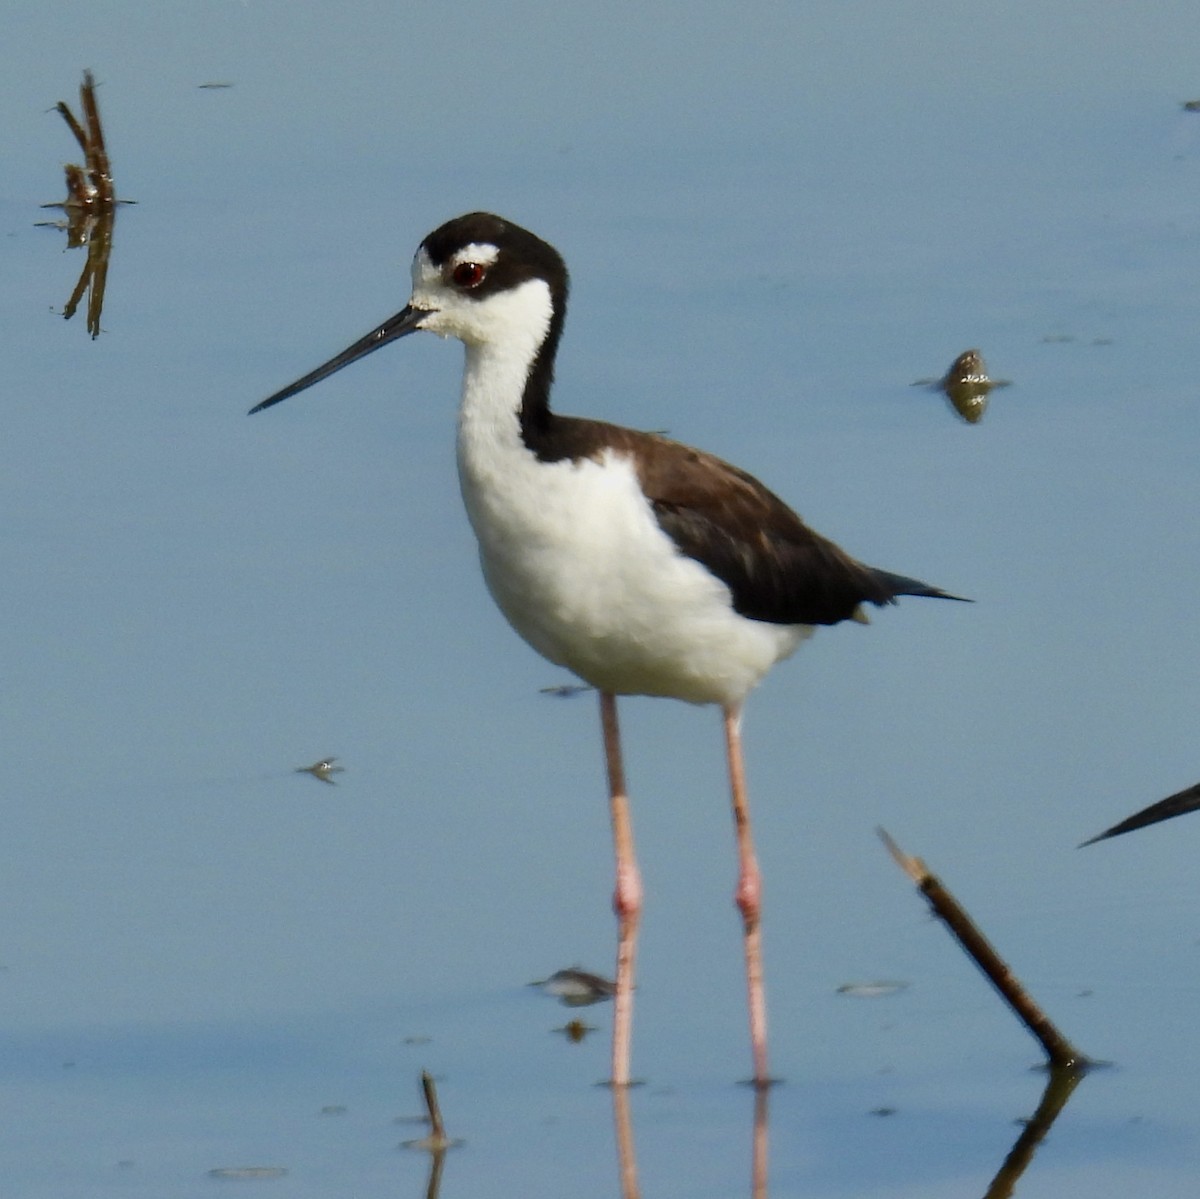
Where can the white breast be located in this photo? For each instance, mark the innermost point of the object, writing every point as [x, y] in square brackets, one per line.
[575, 559]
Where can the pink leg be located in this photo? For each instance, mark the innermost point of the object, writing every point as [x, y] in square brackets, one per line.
[626, 1156]
[748, 895]
[627, 897]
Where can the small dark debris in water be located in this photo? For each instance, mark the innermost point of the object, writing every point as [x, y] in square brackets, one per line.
[322, 769]
[576, 987]
[872, 990]
[1063, 339]
[1084, 994]
[247, 1173]
[126, 1163]
[1191, 106]
[882, 1111]
[419, 1039]
[564, 690]
[213, 87]
[1179, 804]
[575, 1030]
[966, 385]
[334, 1109]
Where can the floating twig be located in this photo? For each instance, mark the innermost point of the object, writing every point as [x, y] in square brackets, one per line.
[90, 187]
[99, 169]
[1058, 1049]
[90, 206]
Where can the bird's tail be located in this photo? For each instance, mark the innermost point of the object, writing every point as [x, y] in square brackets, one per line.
[892, 586]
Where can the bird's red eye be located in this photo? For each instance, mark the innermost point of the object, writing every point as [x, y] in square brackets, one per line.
[469, 274]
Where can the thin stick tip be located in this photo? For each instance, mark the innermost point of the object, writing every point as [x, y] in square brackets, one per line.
[913, 867]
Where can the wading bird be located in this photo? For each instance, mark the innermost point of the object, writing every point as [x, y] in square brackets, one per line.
[644, 566]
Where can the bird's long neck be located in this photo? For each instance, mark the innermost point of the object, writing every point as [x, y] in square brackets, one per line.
[506, 386]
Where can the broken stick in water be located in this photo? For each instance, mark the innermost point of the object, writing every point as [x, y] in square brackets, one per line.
[1058, 1049]
[91, 205]
[437, 1141]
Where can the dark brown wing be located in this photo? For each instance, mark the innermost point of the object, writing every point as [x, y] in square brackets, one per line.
[777, 568]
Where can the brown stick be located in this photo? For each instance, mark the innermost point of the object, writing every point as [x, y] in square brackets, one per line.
[437, 1127]
[90, 136]
[99, 170]
[437, 1142]
[1058, 1049]
[68, 116]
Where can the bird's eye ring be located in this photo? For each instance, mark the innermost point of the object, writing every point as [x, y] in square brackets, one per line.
[469, 274]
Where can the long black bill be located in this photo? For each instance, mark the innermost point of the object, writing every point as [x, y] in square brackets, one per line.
[1178, 804]
[406, 321]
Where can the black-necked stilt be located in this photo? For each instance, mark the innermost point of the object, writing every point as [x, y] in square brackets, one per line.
[643, 565]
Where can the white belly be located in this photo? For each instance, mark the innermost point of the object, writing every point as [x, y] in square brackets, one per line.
[576, 561]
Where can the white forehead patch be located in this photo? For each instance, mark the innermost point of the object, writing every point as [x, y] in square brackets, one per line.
[422, 268]
[481, 252]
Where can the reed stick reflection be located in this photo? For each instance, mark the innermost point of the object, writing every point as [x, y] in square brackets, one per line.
[1060, 1085]
[90, 207]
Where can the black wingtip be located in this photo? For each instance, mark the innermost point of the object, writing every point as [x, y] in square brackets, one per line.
[898, 585]
[1179, 804]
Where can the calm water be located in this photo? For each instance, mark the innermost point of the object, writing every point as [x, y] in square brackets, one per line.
[776, 221]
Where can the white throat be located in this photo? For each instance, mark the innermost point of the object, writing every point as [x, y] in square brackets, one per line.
[502, 338]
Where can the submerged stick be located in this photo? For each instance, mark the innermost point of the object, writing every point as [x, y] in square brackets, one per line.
[1058, 1049]
[437, 1126]
[437, 1142]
